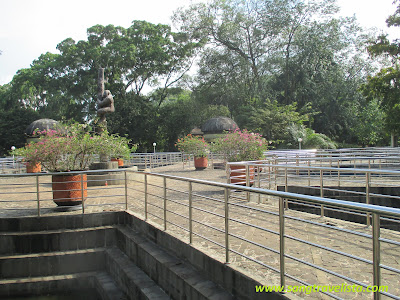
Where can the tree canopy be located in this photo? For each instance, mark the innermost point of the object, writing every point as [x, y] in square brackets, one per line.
[277, 67]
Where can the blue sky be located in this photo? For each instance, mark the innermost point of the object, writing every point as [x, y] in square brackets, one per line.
[29, 28]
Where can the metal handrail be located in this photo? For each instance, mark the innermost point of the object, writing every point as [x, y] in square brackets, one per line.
[375, 211]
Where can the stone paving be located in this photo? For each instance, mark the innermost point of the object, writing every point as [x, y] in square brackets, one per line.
[210, 199]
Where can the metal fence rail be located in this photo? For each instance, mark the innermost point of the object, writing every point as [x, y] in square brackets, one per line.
[262, 239]
[370, 186]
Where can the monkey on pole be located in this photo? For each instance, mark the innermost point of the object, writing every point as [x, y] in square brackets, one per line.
[105, 101]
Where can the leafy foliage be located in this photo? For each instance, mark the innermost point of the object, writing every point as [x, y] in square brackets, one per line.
[240, 145]
[194, 145]
[265, 63]
[385, 85]
[72, 148]
[309, 138]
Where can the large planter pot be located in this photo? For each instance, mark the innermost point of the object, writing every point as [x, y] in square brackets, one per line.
[238, 174]
[33, 168]
[200, 163]
[119, 160]
[67, 189]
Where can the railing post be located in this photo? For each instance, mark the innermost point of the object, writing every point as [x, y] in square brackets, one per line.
[165, 202]
[282, 240]
[259, 183]
[190, 213]
[376, 259]
[309, 172]
[338, 172]
[286, 187]
[145, 197]
[226, 196]
[38, 195]
[269, 177]
[247, 181]
[321, 191]
[126, 191]
[82, 195]
[367, 195]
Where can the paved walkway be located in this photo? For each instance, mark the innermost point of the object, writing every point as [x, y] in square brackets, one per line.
[210, 199]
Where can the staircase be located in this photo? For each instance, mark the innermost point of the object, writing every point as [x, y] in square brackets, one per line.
[97, 256]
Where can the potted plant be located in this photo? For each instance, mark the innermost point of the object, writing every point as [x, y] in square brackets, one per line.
[32, 163]
[120, 150]
[238, 146]
[196, 146]
[69, 149]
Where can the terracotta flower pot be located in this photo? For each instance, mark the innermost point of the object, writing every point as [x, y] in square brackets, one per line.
[33, 168]
[67, 189]
[119, 160]
[238, 174]
[200, 163]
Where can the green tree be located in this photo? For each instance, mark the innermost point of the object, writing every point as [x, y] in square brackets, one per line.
[370, 127]
[271, 120]
[13, 124]
[64, 85]
[385, 85]
[295, 52]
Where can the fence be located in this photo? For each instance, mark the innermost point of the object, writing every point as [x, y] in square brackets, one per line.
[365, 185]
[265, 240]
[381, 158]
[11, 165]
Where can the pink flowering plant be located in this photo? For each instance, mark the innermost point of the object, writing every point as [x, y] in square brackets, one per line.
[72, 148]
[240, 145]
[194, 145]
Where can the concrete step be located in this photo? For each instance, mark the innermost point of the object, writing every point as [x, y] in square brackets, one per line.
[53, 263]
[56, 240]
[180, 279]
[61, 222]
[132, 280]
[87, 285]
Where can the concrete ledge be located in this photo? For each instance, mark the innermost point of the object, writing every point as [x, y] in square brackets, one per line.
[54, 263]
[238, 284]
[47, 285]
[57, 240]
[93, 285]
[31, 224]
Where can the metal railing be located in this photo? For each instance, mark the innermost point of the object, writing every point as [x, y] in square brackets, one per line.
[159, 159]
[370, 186]
[379, 158]
[264, 239]
[11, 165]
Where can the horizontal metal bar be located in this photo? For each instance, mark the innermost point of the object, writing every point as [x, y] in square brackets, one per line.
[326, 270]
[207, 239]
[179, 226]
[209, 226]
[209, 212]
[254, 260]
[329, 249]
[175, 213]
[254, 226]
[390, 268]
[382, 210]
[389, 241]
[330, 227]
[254, 243]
